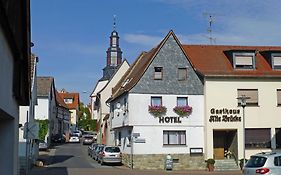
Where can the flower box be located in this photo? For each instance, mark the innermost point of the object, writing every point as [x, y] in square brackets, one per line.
[183, 110]
[157, 111]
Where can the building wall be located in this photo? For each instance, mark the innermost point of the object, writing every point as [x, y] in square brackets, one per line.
[73, 118]
[42, 109]
[9, 112]
[105, 94]
[222, 93]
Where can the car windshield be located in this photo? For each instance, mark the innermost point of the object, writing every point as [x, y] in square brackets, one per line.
[112, 149]
[88, 137]
[256, 161]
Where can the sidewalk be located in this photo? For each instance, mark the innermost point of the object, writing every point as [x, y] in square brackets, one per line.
[46, 157]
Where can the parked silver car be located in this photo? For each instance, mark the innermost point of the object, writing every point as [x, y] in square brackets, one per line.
[110, 154]
[268, 163]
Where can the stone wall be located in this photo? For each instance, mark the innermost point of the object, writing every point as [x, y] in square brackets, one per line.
[157, 161]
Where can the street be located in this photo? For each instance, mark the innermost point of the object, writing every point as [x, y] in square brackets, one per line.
[72, 159]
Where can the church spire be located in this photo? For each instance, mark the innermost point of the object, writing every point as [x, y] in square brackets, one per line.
[114, 53]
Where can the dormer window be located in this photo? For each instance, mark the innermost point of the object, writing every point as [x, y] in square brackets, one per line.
[68, 100]
[276, 61]
[244, 60]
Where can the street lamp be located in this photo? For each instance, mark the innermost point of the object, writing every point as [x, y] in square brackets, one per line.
[243, 103]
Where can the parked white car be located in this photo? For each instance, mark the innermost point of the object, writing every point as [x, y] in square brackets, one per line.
[74, 138]
[268, 163]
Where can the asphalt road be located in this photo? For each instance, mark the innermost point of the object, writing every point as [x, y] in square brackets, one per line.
[73, 159]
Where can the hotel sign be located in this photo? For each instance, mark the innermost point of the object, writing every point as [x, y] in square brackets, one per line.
[224, 115]
[169, 120]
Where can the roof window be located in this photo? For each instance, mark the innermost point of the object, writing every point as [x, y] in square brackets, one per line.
[244, 60]
[276, 60]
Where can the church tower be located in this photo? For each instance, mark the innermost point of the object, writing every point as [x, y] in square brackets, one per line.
[113, 54]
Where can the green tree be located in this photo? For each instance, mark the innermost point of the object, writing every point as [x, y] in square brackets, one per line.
[43, 128]
[85, 122]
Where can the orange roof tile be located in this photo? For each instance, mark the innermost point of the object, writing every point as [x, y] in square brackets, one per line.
[75, 96]
[212, 60]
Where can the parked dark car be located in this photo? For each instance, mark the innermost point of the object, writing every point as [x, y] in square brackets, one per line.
[91, 149]
[96, 151]
[58, 138]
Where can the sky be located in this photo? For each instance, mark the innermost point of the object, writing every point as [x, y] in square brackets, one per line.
[71, 37]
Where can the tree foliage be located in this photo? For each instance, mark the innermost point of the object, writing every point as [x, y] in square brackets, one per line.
[85, 122]
[43, 128]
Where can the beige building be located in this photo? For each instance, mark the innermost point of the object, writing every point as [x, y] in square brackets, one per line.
[229, 72]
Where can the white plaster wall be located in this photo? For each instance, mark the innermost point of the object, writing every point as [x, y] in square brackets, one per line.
[8, 128]
[99, 86]
[151, 130]
[223, 94]
[139, 115]
[42, 109]
[9, 105]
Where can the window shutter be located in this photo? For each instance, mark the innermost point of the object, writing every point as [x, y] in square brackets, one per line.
[244, 60]
[277, 60]
[278, 96]
[252, 93]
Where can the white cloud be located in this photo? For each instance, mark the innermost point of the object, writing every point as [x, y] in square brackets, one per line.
[142, 39]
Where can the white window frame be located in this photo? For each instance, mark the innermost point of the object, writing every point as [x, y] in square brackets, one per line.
[174, 137]
[158, 75]
[245, 66]
[276, 64]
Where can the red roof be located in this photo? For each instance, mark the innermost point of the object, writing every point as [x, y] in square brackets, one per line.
[74, 96]
[213, 60]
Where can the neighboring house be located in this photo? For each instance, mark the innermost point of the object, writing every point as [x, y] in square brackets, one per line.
[29, 150]
[14, 77]
[162, 77]
[71, 99]
[113, 71]
[94, 98]
[105, 133]
[47, 108]
[63, 115]
[229, 72]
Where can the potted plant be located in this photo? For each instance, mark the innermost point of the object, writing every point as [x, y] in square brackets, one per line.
[183, 110]
[210, 164]
[157, 110]
[241, 163]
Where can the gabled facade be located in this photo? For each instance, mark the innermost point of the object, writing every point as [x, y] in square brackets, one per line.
[27, 115]
[71, 99]
[105, 134]
[161, 78]
[230, 72]
[14, 76]
[46, 107]
[94, 98]
[63, 115]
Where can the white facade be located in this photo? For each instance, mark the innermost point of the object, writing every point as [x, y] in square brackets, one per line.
[9, 111]
[104, 134]
[137, 119]
[100, 85]
[222, 94]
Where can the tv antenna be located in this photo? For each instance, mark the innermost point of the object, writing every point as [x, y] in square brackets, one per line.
[211, 18]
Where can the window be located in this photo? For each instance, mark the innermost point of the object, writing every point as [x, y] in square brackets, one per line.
[278, 97]
[257, 138]
[276, 61]
[182, 101]
[182, 74]
[68, 100]
[277, 161]
[119, 138]
[244, 60]
[252, 93]
[278, 137]
[113, 58]
[158, 73]
[156, 101]
[174, 138]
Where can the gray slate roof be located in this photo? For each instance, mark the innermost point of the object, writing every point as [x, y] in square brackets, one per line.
[44, 86]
